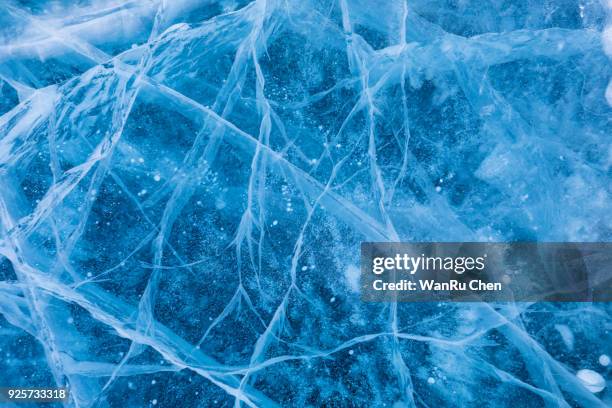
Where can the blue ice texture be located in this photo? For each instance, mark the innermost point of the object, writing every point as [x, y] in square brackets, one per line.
[184, 187]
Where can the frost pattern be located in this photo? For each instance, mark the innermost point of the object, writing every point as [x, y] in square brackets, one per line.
[184, 186]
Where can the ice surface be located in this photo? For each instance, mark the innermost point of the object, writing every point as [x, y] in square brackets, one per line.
[184, 186]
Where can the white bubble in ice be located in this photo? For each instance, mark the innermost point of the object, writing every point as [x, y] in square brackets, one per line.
[592, 380]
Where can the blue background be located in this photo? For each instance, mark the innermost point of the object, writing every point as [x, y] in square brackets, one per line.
[184, 187]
